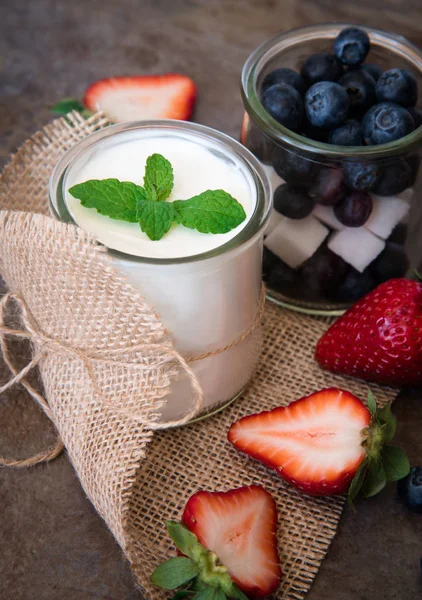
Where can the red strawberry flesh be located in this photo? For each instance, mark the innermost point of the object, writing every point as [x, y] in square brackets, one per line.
[380, 337]
[240, 527]
[314, 443]
[168, 96]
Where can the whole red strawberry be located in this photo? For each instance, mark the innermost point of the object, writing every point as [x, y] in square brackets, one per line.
[380, 337]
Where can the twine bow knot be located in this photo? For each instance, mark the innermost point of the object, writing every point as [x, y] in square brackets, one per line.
[43, 345]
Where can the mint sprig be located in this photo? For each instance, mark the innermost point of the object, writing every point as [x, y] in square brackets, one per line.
[199, 571]
[212, 211]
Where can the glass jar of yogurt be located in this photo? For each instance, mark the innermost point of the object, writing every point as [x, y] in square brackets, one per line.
[205, 287]
[316, 263]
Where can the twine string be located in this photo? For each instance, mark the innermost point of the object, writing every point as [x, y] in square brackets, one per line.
[43, 345]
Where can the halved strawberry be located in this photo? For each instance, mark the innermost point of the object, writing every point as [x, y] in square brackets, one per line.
[136, 98]
[322, 442]
[240, 527]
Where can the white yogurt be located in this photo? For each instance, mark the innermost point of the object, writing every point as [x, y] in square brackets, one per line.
[208, 301]
[196, 169]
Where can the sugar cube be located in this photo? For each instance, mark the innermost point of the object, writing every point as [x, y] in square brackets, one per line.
[387, 212]
[296, 240]
[327, 216]
[356, 245]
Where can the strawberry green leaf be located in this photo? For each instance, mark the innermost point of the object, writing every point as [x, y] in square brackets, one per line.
[376, 479]
[388, 422]
[155, 218]
[158, 180]
[185, 541]
[174, 573]
[67, 105]
[213, 211]
[372, 405]
[235, 592]
[210, 593]
[110, 197]
[183, 594]
[357, 482]
[395, 463]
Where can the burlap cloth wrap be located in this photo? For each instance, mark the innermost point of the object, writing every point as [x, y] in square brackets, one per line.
[104, 398]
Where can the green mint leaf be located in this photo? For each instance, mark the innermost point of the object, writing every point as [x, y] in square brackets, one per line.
[110, 197]
[185, 540]
[357, 482]
[388, 422]
[67, 105]
[395, 463]
[376, 479]
[174, 573]
[155, 218]
[372, 405]
[213, 211]
[158, 180]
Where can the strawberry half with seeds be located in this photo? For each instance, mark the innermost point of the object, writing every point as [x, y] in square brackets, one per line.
[380, 337]
[325, 443]
[230, 540]
[136, 98]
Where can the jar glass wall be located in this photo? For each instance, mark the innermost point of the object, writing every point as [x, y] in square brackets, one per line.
[320, 265]
[207, 301]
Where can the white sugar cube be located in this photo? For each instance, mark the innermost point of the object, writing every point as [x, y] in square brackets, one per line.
[327, 216]
[275, 180]
[274, 220]
[356, 245]
[387, 212]
[296, 240]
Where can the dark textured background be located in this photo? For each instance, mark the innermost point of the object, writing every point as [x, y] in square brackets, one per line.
[53, 546]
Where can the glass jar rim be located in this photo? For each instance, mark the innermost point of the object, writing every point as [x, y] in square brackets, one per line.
[260, 179]
[295, 141]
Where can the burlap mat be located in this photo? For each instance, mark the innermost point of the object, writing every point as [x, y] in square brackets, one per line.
[137, 479]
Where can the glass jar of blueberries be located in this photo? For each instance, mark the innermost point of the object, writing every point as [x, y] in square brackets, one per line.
[331, 111]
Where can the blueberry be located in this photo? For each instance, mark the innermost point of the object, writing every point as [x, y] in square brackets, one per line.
[293, 168]
[318, 134]
[348, 134]
[390, 264]
[396, 177]
[399, 86]
[282, 278]
[373, 70]
[355, 286]
[284, 104]
[293, 201]
[360, 175]
[351, 46]
[360, 88]
[328, 188]
[354, 210]
[399, 234]
[414, 162]
[269, 261]
[385, 123]
[284, 75]
[327, 104]
[417, 116]
[324, 271]
[410, 489]
[321, 66]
